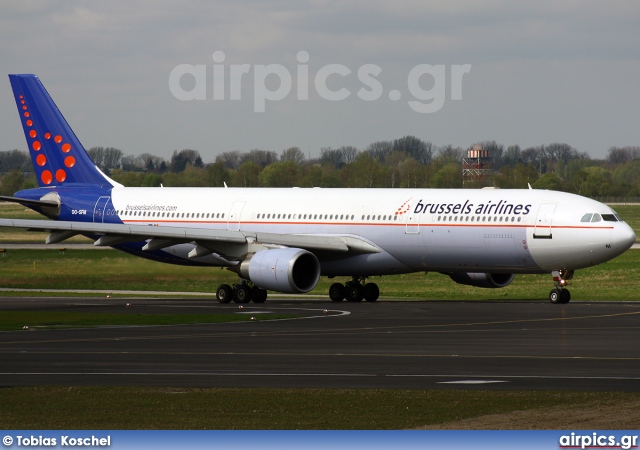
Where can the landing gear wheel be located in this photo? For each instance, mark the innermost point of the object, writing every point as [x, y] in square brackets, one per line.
[258, 295]
[336, 292]
[354, 292]
[555, 296]
[371, 292]
[242, 294]
[224, 294]
[566, 296]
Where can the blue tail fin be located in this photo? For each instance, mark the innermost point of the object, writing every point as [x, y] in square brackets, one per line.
[57, 155]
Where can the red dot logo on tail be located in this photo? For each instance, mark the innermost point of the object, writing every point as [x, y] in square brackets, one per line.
[46, 177]
[61, 175]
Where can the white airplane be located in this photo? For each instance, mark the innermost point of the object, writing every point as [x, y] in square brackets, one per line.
[284, 240]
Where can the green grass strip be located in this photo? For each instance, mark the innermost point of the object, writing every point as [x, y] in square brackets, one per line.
[186, 408]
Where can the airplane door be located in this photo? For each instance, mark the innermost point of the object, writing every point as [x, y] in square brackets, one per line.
[413, 223]
[542, 228]
[233, 222]
[99, 209]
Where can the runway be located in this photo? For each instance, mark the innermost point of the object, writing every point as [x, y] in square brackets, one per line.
[390, 344]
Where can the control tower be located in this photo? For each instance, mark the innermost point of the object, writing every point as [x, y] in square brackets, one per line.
[477, 164]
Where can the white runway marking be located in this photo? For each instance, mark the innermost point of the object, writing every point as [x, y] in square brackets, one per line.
[472, 382]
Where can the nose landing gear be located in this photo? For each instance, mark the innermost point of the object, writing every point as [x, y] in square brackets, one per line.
[560, 294]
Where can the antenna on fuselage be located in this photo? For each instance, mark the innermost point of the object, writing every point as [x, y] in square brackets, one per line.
[530, 188]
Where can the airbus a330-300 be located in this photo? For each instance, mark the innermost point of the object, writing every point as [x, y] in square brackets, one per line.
[285, 239]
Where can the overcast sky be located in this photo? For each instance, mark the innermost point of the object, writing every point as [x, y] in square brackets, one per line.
[540, 72]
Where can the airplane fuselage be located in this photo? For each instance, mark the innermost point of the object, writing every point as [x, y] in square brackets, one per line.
[488, 230]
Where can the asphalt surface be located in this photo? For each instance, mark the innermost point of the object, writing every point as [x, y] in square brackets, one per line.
[416, 345]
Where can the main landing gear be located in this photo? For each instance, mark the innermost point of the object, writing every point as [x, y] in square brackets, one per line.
[560, 294]
[241, 293]
[354, 291]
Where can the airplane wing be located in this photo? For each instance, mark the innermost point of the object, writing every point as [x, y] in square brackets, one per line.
[227, 243]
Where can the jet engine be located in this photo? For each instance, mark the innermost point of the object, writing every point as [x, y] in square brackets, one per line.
[483, 280]
[289, 270]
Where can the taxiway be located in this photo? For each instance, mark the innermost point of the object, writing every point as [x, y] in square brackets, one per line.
[389, 344]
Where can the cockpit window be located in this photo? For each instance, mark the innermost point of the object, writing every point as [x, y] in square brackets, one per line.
[596, 218]
[609, 218]
[586, 218]
[619, 218]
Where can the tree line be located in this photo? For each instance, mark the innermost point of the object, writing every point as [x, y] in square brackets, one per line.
[408, 162]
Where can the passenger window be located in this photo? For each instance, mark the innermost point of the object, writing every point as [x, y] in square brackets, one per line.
[586, 217]
[596, 218]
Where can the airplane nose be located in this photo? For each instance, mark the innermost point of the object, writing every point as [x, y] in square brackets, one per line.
[624, 237]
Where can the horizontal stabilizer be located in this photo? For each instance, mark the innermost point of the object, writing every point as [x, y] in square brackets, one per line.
[26, 202]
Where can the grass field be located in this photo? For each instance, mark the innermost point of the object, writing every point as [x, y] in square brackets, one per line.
[179, 408]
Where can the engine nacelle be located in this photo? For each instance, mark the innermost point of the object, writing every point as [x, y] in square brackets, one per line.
[483, 280]
[289, 270]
